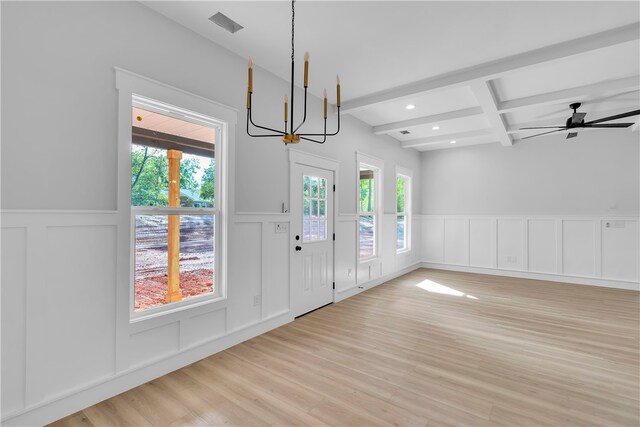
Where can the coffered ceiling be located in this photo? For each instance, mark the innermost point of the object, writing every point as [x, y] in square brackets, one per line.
[475, 71]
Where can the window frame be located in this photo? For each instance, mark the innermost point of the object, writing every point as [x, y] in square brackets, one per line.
[132, 87]
[407, 175]
[377, 166]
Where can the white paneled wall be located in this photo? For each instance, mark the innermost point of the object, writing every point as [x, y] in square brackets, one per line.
[59, 309]
[353, 276]
[591, 250]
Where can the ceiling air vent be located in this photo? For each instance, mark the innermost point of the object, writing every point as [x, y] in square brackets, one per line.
[405, 132]
[225, 22]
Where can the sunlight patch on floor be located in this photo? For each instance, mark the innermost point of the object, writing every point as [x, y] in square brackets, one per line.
[431, 286]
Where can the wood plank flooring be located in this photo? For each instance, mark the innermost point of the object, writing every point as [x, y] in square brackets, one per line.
[488, 351]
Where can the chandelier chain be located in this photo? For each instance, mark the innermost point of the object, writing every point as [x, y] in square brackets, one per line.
[293, 20]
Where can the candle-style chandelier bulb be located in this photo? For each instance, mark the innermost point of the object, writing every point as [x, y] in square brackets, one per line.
[290, 135]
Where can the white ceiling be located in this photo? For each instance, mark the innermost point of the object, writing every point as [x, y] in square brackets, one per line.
[467, 66]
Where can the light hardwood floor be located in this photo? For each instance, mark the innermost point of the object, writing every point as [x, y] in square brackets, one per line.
[491, 351]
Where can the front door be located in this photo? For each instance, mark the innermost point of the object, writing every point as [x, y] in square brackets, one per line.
[312, 238]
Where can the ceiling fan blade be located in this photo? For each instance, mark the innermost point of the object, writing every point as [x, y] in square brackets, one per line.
[544, 127]
[609, 125]
[543, 133]
[615, 117]
[577, 118]
[572, 135]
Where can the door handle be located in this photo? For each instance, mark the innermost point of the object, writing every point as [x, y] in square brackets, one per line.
[298, 248]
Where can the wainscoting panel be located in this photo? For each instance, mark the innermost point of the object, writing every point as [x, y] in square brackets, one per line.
[81, 268]
[275, 264]
[433, 239]
[600, 251]
[620, 249]
[542, 245]
[578, 248]
[204, 327]
[482, 243]
[14, 286]
[245, 267]
[346, 257]
[155, 344]
[455, 244]
[510, 244]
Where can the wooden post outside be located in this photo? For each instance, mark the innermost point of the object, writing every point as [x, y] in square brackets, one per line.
[173, 253]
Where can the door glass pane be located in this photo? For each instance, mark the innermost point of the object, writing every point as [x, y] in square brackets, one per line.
[306, 232]
[314, 214]
[307, 213]
[322, 227]
[307, 186]
[367, 236]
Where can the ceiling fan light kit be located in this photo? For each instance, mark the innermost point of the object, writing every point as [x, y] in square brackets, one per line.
[290, 134]
[576, 121]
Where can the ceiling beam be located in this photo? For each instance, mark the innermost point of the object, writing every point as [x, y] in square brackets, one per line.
[487, 99]
[494, 69]
[421, 142]
[427, 120]
[636, 126]
[571, 94]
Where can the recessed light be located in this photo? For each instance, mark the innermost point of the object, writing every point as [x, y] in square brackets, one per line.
[453, 142]
[410, 107]
[435, 128]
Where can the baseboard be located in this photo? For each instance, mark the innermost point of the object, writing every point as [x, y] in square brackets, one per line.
[354, 290]
[591, 281]
[61, 406]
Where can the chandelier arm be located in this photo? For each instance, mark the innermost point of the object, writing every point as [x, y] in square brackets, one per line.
[279, 134]
[325, 129]
[304, 118]
[260, 127]
[313, 140]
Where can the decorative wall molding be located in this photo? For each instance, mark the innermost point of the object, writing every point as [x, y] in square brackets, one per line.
[601, 250]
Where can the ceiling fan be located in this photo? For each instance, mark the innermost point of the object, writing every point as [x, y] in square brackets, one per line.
[576, 121]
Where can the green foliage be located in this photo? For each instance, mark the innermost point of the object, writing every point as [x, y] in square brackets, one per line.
[207, 190]
[150, 177]
[367, 195]
[188, 168]
[400, 191]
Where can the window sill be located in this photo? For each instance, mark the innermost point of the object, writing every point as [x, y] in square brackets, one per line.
[215, 301]
[370, 259]
[403, 251]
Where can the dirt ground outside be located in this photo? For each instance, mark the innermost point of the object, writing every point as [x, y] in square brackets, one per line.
[196, 258]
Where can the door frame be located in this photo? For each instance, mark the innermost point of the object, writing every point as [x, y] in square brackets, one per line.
[297, 157]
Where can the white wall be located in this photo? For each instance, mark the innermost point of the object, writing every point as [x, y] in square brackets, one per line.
[61, 347]
[596, 173]
[549, 209]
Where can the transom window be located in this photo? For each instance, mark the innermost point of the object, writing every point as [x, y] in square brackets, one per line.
[314, 221]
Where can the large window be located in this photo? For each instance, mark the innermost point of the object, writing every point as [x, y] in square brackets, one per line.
[403, 211]
[369, 172]
[173, 204]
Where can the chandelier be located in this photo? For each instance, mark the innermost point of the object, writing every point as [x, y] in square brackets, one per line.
[289, 133]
